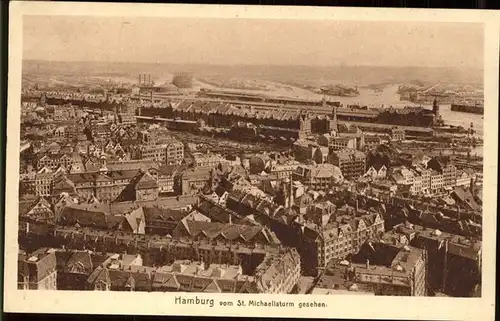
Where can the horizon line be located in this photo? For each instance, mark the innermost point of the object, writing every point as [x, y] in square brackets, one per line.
[250, 64]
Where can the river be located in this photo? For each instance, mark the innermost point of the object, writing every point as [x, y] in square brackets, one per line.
[389, 97]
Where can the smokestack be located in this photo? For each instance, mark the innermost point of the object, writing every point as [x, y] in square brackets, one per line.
[139, 83]
[367, 264]
[230, 219]
[357, 206]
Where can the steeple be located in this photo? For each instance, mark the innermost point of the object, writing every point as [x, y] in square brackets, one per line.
[333, 121]
[435, 107]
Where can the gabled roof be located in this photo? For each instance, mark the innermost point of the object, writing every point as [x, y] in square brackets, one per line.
[154, 213]
[82, 258]
[25, 207]
[230, 232]
[146, 181]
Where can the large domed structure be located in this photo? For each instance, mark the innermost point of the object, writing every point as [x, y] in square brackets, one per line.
[257, 164]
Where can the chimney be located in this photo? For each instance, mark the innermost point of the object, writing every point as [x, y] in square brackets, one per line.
[230, 219]
[367, 264]
[357, 207]
[27, 227]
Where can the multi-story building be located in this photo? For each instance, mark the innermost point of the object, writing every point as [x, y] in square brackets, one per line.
[417, 187]
[397, 134]
[425, 178]
[192, 180]
[149, 137]
[320, 177]
[400, 271]
[277, 273]
[284, 171]
[454, 262]
[436, 182]
[211, 231]
[37, 271]
[174, 151]
[369, 142]
[335, 143]
[463, 178]
[208, 160]
[100, 131]
[166, 178]
[352, 163]
[170, 151]
[105, 185]
[449, 175]
[408, 175]
[337, 237]
[54, 161]
[43, 182]
[446, 167]
[156, 153]
[146, 187]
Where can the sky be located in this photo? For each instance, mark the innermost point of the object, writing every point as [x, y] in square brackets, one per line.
[252, 42]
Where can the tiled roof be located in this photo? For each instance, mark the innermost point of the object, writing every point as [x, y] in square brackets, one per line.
[276, 269]
[39, 269]
[146, 181]
[230, 232]
[217, 212]
[72, 215]
[153, 213]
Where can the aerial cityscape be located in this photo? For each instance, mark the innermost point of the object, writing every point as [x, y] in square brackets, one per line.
[335, 178]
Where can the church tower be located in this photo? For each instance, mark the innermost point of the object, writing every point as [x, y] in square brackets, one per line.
[334, 122]
[435, 108]
[435, 111]
[304, 124]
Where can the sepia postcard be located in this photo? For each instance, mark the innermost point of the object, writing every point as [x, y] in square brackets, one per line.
[251, 161]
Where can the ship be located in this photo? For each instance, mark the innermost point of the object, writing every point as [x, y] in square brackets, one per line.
[468, 108]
